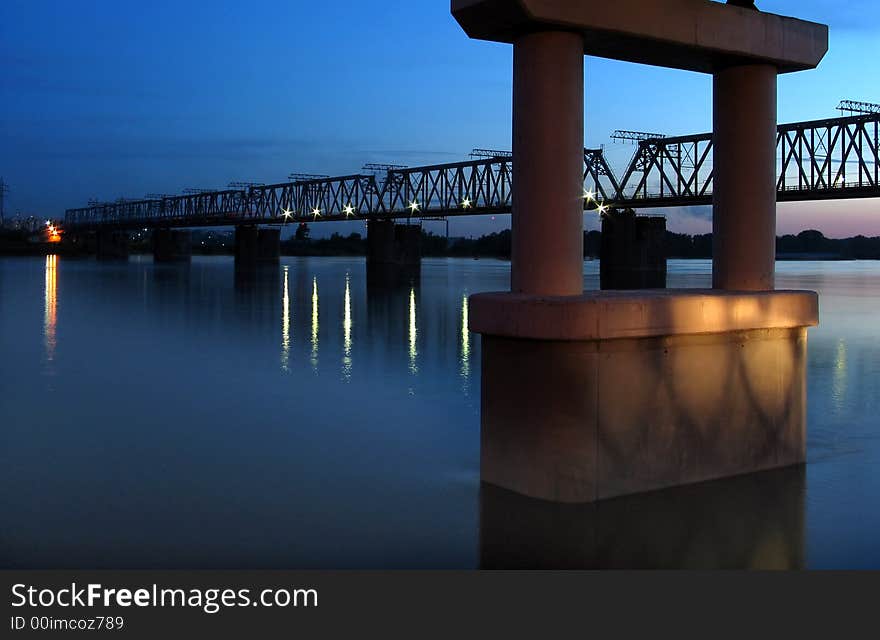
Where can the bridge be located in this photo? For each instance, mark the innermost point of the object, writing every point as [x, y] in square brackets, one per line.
[830, 159]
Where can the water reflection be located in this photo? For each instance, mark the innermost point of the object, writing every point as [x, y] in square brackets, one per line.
[465, 343]
[50, 307]
[346, 330]
[402, 475]
[838, 376]
[413, 333]
[314, 356]
[285, 324]
[754, 521]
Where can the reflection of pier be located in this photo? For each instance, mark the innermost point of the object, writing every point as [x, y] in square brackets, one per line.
[754, 521]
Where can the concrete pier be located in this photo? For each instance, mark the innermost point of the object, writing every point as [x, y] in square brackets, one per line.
[744, 189]
[269, 245]
[171, 245]
[547, 251]
[254, 245]
[589, 396]
[112, 244]
[620, 392]
[633, 252]
[393, 251]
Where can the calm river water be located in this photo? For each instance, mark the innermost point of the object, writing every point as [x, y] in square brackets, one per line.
[195, 416]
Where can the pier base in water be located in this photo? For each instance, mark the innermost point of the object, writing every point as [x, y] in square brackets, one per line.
[171, 245]
[393, 247]
[254, 245]
[633, 252]
[613, 393]
[112, 244]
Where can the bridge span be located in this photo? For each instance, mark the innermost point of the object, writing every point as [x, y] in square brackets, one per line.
[830, 159]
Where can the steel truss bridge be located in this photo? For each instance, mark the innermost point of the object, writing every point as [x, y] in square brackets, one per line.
[836, 158]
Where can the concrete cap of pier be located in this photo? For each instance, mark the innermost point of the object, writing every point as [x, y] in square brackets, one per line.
[611, 315]
[696, 35]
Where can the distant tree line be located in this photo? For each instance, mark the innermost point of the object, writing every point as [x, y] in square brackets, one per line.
[497, 245]
[810, 243]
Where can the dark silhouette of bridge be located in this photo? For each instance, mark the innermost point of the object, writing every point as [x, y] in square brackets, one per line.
[835, 158]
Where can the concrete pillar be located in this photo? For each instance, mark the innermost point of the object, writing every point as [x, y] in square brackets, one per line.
[171, 245]
[268, 245]
[392, 243]
[380, 241]
[393, 251]
[253, 245]
[633, 251]
[744, 217]
[548, 133]
[246, 244]
[111, 244]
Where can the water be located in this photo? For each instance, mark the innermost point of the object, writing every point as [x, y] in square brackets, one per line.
[194, 416]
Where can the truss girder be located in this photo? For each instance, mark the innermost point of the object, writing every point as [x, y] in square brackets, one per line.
[823, 159]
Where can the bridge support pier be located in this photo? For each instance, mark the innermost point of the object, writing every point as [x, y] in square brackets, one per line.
[171, 245]
[254, 245]
[633, 252]
[587, 396]
[393, 251]
[744, 191]
[111, 244]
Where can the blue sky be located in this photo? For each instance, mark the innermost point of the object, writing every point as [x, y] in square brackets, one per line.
[120, 98]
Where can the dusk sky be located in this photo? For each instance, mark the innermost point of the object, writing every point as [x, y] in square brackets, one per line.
[111, 98]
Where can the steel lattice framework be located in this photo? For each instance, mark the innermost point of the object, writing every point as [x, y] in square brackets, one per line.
[835, 158]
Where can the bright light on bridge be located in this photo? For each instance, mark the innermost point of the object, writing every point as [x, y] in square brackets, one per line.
[466, 203]
[348, 210]
[316, 212]
[588, 195]
[287, 213]
[414, 206]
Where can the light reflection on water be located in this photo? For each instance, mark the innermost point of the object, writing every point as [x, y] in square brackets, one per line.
[146, 422]
[413, 334]
[314, 358]
[285, 323]
[465, 343]
[50, 308]
[346, 331]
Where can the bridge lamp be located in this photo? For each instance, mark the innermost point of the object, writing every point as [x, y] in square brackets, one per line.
[287, 213]
[602, 209]
[588, 195]
[348, 210]
[414, 206]
[316, 211]
[466, 203]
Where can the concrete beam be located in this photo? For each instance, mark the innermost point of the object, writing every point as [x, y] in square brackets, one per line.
[610, 315]
[696, 35]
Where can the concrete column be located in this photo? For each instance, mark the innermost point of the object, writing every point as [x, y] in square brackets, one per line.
[170, 245]
[269, 245]
[548, 133]
[744, 217]
[112, 244]
[246, 244]
[393, 252]
[633, 251]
